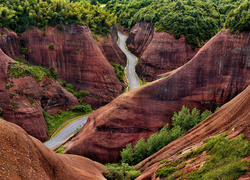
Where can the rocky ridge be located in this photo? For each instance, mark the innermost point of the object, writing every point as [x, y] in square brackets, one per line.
[210, 79]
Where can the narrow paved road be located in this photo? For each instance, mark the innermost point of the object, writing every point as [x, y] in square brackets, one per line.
[72, 127]
[66, 133]
[132, 77]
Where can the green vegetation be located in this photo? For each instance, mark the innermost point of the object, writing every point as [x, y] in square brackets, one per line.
[181, 122]
[8, 86]
[23, 50]
[79, 94]
[61, 149]
[51, 46]
[31, 100]
[37, 72]
[198, 20]
[120, 172]
[225, 161]
[11, 95]
[119, 71]
[239, 19]
[86, 108]
[20, 15]
[55, 121]
[14, 105]
[19, 59]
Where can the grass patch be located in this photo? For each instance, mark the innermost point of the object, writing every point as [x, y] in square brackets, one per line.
[226, 160]
[120, 171]
[55, 121]
[119, 71]
[61, 149]
[36, 72]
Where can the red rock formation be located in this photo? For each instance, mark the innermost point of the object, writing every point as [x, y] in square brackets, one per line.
[24, 157]
[23, 103]
[78, 59]
[159, 52]
[233, 118]
[218, 72]
[110, 49]
[10, 43]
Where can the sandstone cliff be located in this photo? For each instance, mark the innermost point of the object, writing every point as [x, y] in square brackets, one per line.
[23, 99]
[233, 118]
[110, 49]
[76, 56]
[158, 52]
[24, 157]
[218, 72]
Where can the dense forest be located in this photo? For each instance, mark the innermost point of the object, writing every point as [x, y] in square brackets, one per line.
[19, 15]
[198, 20]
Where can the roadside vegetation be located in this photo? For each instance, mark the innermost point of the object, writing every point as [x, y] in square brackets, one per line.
[181, 123]
[119, 71]
[225, 161]
[20, 15]
[198, 20]
[55, 121]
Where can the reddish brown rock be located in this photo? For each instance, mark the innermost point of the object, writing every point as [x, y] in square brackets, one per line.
[24, 157]
[158, 52]
[78, 59]
[233, 118]
[111, 50]
[218, 72]
[23, 102]
[10, 43]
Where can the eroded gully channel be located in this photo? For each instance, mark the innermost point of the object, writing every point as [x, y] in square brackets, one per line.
[71, 128]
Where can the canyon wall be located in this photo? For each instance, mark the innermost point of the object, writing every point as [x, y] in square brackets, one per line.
[23, 99]
[218, 72]
[233, 118]
[158, 52]
[24, 157]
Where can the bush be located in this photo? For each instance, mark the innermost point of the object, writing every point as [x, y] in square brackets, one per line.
[31, 100]
[61, 149]
[15, 106]
[11, 95]
[120, 172]
[51, 46]
[23, 50]
[86, 108]
[119, 71]
[181, 122]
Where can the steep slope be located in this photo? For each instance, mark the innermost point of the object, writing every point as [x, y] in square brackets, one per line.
[23, 99]
[233, 118]
[110, 49]
[159, 52]
[213, 77]
[24, 157]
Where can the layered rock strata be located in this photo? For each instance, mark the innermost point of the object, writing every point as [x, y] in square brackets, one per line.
[218, 72]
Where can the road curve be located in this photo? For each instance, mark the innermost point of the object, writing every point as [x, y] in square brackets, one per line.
[69, 130]
[132, 77]
[66, 133]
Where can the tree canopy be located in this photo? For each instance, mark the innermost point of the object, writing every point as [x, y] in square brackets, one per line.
[19, 15]
[198, 20]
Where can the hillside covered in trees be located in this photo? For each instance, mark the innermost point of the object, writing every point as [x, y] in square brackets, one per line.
[19, 15]
[198, 20]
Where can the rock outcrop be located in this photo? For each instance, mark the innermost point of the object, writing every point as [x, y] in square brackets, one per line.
[24, 157]
[23, 99]
[75, 54]
[110, 49]
[158, 52]
[233, 118]
[218, 72]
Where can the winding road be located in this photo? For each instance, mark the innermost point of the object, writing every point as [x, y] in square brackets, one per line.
[71, 129]
[132, 77]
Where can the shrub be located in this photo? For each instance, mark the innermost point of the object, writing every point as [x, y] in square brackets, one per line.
[119, 71]
[23, 50]
[51, 46]
[31, 100]
[18, 59]
[61, 149]
[59, 27]
[85, 108]
[15, 106]
[11, 95]
[8, 86]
